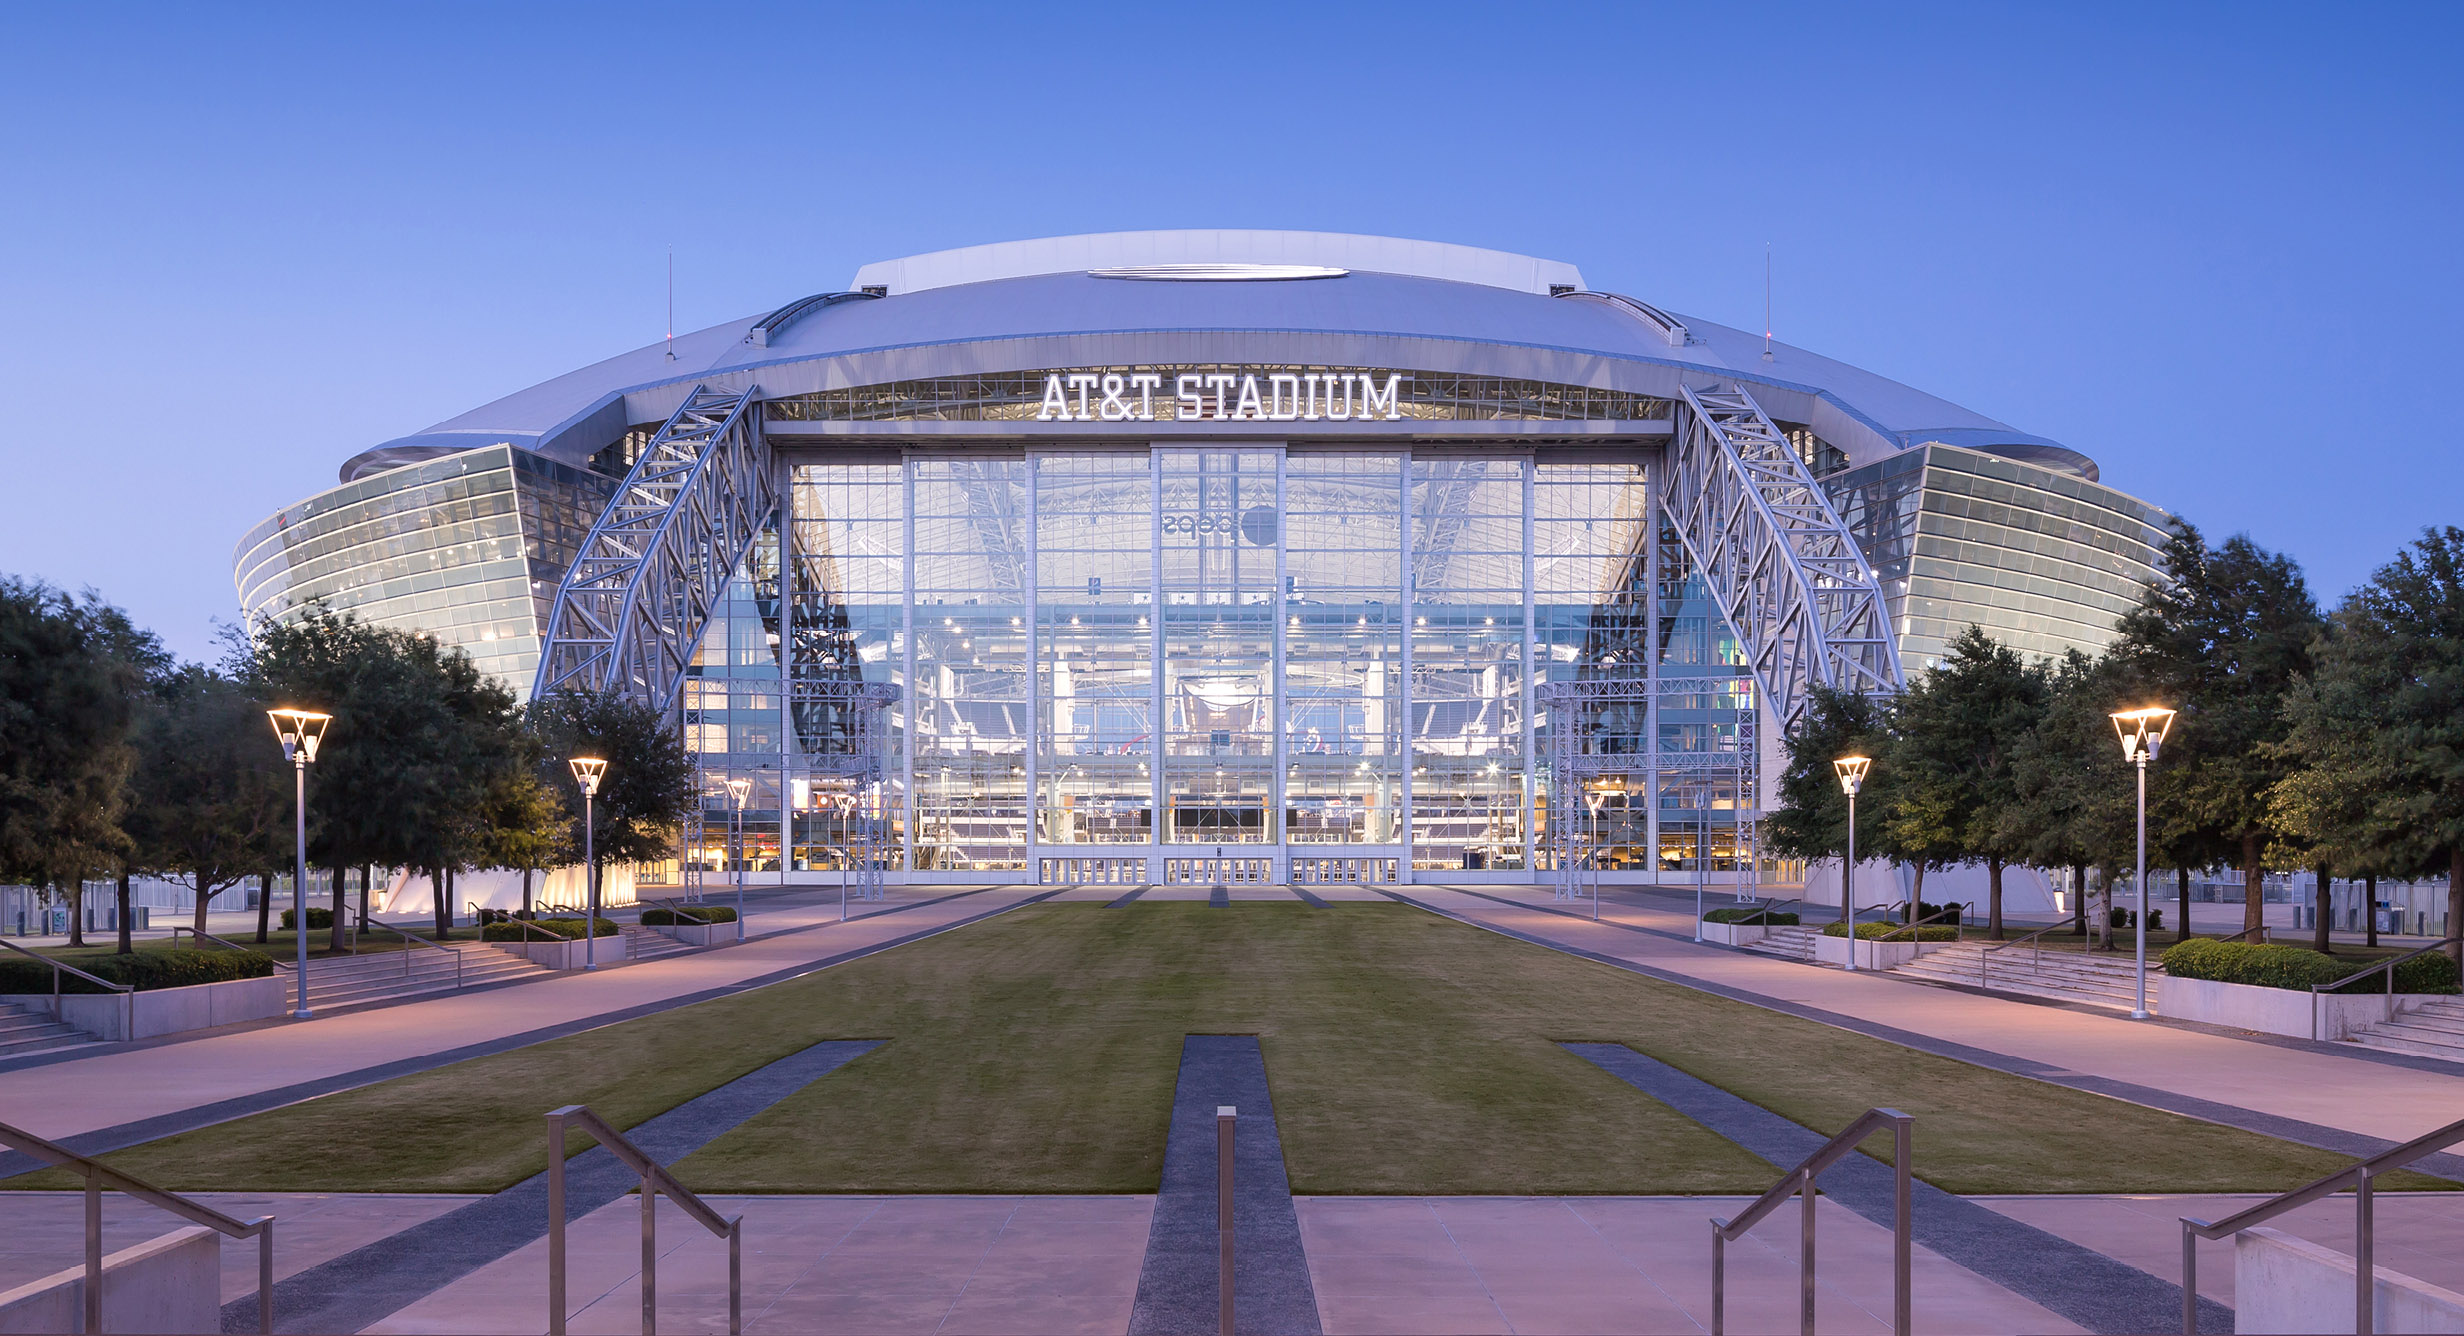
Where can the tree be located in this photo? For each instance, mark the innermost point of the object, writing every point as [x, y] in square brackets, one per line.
[1811, 821]
[648, 790]
[70, 673]
[528, 828]
[2221, 641]
[1955, 736]
[2072, 794]
[2383, 717]
[209, 800]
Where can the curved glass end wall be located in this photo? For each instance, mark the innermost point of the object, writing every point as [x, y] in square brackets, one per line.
[467, 548]
[1191, 663]
[2044, 561]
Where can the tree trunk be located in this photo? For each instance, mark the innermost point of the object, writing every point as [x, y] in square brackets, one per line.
[202, 898]
[444, 909]
[127, 947]
[2078, 901]
[2325, 913]
[436, 894]
[2369, 914]
[1916, 896]
[75, 893]
[2181, 904]
[1993, 898]
[2455, 901]
[342, 924]
[366, 874]
[2254, 889]
[526, 893]
[265, 906]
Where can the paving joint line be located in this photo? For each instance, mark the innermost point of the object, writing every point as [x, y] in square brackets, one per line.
[2336, 1140]
[103, 1140]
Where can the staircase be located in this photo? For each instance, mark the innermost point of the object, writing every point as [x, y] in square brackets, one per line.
[352, 981]
[649, 943]
[25, 1030]
[1788, 941]
[2434, 1029]
[2104, 980]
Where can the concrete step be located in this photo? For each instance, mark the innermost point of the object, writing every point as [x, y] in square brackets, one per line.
[24, 1030]
[2391, 1039]
[1793, 942]
[650, 944]
[377, 979]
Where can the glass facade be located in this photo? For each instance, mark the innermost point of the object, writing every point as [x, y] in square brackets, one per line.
[2044, 561]
[468, 548]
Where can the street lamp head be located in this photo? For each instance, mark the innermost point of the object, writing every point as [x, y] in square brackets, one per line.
[1851, 771]
[738, 789]
[300, 731]
[2142, 731]
[586, 772]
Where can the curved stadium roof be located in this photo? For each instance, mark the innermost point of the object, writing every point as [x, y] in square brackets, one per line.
[1421, 306]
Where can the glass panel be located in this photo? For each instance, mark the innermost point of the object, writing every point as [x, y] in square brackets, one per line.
[850, 610]
[1221, 529]
[971, 667]
[1467, 663]
[1095, 648]
[1343, 650]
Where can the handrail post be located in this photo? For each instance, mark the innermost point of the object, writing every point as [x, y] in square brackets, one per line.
[735, 1277]
[2190, 1279]
[2365, 1272]
[265, 1276]
[556, 1223]
[94, 1249]
[1226, 1116]
[650, 1255]
[1903, 1228]
[1805, 1255]
[1719, 1280]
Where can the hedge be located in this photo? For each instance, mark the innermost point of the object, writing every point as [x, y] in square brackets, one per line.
[2300, 968]
[1866, 932]
[318, 919]
[697, 914]
[1750, 914]
[562, 929]
[148, 970]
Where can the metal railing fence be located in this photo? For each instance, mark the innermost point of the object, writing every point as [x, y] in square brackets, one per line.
[655, 1181]
[1800, 1180]
[58, 1012]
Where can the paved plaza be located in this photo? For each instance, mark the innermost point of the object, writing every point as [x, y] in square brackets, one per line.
[1088, 1263]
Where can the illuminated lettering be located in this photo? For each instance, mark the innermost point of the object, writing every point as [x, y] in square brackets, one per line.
[1113, 408]
[1146, 381]
[1344, 414]
[1309, 396]
[1192, 402]
[1250, 407]
[1082, 382]
[1286, 396]
[1222, 386]
[1056, 404]
[1374, 404]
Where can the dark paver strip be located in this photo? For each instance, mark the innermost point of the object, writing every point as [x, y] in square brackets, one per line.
[2335, 1139]
[2081, 1284]
[354, 1290]
[104, 1140]
[1130, 898]
[1309, 896]
[1178, 1287]
[1220, 897]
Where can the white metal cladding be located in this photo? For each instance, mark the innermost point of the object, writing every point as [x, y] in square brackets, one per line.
[1779, 562]
[640, 595]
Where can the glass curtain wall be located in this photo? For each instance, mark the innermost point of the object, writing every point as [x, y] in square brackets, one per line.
[970, 679]
[1218, 573]
[1468, 663]
[1343, 649]
[849, 594]
[1706, 755]
[1591, 604]
[733, 722]
[1095, 650]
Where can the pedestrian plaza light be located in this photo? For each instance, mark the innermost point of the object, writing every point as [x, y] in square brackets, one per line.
[739, 789]
[2142, 732]
[301, 731]
[1851, 771]
[587, 771]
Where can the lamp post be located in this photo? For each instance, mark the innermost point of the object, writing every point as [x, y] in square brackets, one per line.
[2142, 732]
[586, 772]
[1851, 771]
[738, 789]
[300, 731]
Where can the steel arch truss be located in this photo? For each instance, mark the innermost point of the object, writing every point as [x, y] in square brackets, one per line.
[1780, 564]
[640, 596]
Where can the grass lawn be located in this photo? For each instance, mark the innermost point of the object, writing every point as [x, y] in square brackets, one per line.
[1036, 1052]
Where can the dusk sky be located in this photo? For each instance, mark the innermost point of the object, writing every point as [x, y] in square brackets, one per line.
[2214, 247]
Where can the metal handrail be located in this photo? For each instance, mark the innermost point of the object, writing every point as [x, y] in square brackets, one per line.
[417, 940]
[2318, 990]
[2036, 957]
[98, 1175]
[1801, 1180]
[58, 1011]
[2261, 930]
[2357, 1175]
[655, 1180]
[1965, 908]
[1764, 911]
[227, 944]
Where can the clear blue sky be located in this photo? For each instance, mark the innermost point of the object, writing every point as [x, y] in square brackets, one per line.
[2214, 247]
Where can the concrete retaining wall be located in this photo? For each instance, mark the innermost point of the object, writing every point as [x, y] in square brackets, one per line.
[567, 955]
[2285, 1284]
[1734, 934]
[161, 1011]
[2284, 1011]
[697, 934]
[170, 1284]
[1870, 955]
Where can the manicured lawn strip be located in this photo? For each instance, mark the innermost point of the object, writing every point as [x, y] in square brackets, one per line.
[1036, 1052]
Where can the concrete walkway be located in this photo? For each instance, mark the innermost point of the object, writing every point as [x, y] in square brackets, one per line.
[144, 1092]
[2321, 1088]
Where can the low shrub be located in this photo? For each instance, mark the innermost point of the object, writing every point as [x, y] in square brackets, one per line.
[1724, 914]
[1866, 932]
[710, 915]
[488, 916]
[148, 970]
[566, 929]
[318, 919]
[2299, 968]
[1950, 913]
[2124, 919]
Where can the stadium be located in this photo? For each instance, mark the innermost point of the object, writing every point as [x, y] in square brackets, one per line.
[1213, 556]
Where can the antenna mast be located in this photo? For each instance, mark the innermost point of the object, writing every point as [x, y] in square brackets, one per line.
[1766, 301]
[671, 306]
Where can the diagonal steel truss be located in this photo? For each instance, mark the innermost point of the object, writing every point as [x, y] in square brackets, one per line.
[1780, 564]
[639, 597]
